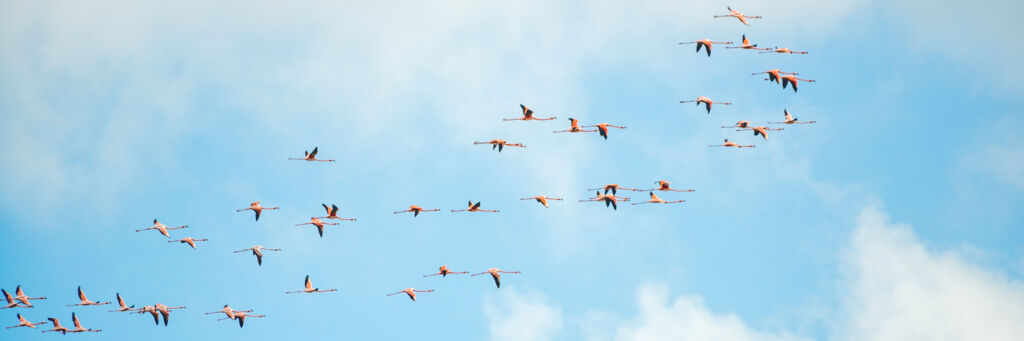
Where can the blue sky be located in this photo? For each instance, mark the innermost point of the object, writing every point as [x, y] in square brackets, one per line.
[896, 214]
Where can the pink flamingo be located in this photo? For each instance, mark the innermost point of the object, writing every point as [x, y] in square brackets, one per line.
[527, 116]
[411, 292]
[707, 102]
[311, 156]
[496, 274]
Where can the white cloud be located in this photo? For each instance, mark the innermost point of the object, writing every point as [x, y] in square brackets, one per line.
[522, 316]
[685, 318]
[893, 288]
[901, 290]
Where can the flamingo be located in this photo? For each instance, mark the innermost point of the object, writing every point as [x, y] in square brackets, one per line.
[78, 326]
[773, 74]
[474, 208]
[760, 130]
[319, 225]
[542, 199]
[786, 80]
[20, 296]
[57, 327]
[527, 116]
[229, 312]
[165, 311]
[746, 45]
[663, 185]
[122, 305]
[411, 292]
[739, 124]
[309, 288]
[731, 144]
[496, 274]
[257, 250]
[499, 143]
[783, 50]
[85, 300]
[609, 199]
[706, 43]
[790, 119]
[240, 316]
[11, 303]
[332, 213]
[707, 102]
[162, 228]
[311, 156]
[613, 188]
[602, 128]
[22, 322]
[152, 311]
[656, 200]
[574, 127]
[416, 210]
[738, 15]
[189, 240]
[255, 207]
[444, 272]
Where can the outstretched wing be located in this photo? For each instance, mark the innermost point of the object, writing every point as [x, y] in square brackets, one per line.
[477, 205]
[313, 154]
[309, 285]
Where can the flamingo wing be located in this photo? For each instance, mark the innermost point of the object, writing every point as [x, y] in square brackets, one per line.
[313, 154]
[309, 285]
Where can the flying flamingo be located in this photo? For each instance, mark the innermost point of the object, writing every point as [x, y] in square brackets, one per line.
[527, 116]
[739, 124]
[332, 213]
[706, 43]
[240, 316]
[189, 240]
[152, 311]
[731, 144]
[707, 102]
[663, 185]
[602, 128]
[416, 210]
[543, 200]
[319, 225]
[11, 303]
[746, 45]
[613, 188]
[500, 144]
[411, 292]
[255, 207]
[20, 296]
[790, 119]
[738, 15]
[760, 130]
[57, 327]
[574, 127]
[165, 311]
[496, 274]
[22, 322]
[85, 300]
[122, 305]
[257, 250]
[311, 157]
[784, 50]
[474, 208]
[773, 74]
[229, 312]
[609, 199]
[162, 228]
[78, 326]
[309, 288]
[792, 79]
[444, 272]
[656, 200]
